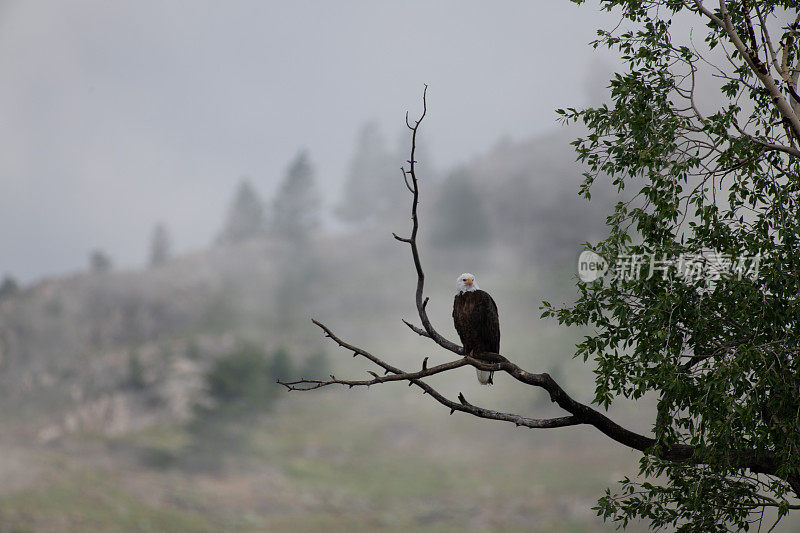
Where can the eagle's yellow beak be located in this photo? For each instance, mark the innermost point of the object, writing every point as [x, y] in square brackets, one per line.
[469, 282]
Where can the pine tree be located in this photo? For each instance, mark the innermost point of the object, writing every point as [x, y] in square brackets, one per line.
[297, 204]
[460, 218]
[372, 180]
[245, 218]
[99, 262]
[9, 287]
[160, 246]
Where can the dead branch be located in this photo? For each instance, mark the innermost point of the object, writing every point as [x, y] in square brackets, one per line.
[579, 413]
[414, 379]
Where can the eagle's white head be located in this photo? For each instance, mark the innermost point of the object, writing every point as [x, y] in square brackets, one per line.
[466, 283]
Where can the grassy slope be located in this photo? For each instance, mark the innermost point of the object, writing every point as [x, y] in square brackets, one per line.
[338, 461]
[384, 459]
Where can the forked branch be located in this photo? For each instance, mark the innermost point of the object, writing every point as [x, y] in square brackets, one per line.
[578, 413]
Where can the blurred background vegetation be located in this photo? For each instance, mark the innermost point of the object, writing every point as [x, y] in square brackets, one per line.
[143, 398]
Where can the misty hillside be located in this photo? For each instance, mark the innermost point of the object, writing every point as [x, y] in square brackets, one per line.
[531, 190]
[225, 221]
[118, 361]
[54, 328]
[264, 289]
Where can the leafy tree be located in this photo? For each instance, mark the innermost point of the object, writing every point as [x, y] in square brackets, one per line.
[281, 365]
[241, 380]
[371, 180]
[245, 218]
[297, 204]
[136, 377]
[315, 366]
[240, 387]
[715, 181]
[193, 350]
[160, 246]
[460, 216]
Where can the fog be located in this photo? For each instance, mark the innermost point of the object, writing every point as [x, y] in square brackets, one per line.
[184, 185]
[119, 115]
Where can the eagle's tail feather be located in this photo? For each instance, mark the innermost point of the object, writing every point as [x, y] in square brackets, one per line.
[485, 376]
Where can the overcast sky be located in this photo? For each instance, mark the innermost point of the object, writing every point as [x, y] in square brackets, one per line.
[116, 115]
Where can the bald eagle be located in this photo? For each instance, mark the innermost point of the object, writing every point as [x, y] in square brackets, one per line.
[476, 320]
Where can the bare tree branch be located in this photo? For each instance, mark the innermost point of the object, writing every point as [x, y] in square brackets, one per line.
[311, 384]
[412, 241]
[413, 378]
[579, 413]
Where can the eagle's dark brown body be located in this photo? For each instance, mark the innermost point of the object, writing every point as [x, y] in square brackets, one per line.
[477, 322]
